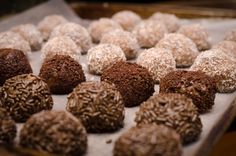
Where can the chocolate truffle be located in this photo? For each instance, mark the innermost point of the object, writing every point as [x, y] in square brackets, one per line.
[132, 80]
[159, 62]
[148, 140]
[194, 84]
[125, 40]
[56, 132]
[149, 33]
[98, 105]
[228, 47]
[173, 110]
[24, 95]
[103, 56]
[183, 49]
[12, 62]
[231, 35]
[62, 74]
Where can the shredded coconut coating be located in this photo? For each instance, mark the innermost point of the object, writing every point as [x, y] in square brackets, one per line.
[231, 35]
[228, 47]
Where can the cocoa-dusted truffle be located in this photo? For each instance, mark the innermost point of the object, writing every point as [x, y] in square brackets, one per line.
[56, 132]
[98, 105]
[231, 35]
[173, 110]
[194, 84]
[24, 95]
[228, 47]
[62, 74]
[12, 62]
[148, 140]
[132, 80]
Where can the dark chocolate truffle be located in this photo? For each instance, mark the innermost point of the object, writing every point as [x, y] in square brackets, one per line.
[194, 84]
[56, 132]
[24, 95]
[148, 140]
[132, 80]
[98, 105]
[62, 74]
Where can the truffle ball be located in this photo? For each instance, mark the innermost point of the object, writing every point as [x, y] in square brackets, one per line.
[148, 140]
[125, 40]
[194, 84]
[98, 105]
[228, 47]
[99, 27]
[197, 34]
[231, 35]
[62, 74]
[132, 80]
[159, 62]
[24, 95]
[103, 56]
[183, 49]
[127, 19]
[173, 110]
[56, 132]
[149, 33]
[12, 62]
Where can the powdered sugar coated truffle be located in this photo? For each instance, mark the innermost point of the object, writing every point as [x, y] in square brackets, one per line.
[228, 47]
[231, 35]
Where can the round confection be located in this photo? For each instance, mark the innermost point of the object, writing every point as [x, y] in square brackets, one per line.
[198, 35]
[159, 62]
[231, 35]
[173, 110]
[98, 105]
[13, 62]
[31, 34]
[228, 47]
[149, 32]
[127, 19]
[183, 49]
[103, 56]
[125, 40]
[56, 132]
[13, 40]
[24, 95]
[76, 32]
[49, 23]
[62, 74]
[194, 84]
[148, 140]
[215, 63]
[99, 27]
[134, 82]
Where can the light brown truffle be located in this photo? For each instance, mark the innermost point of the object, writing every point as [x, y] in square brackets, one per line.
[228, 47]
[231, 35]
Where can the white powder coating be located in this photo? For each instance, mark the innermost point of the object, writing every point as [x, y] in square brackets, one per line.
[219, 66]
[231, 35]
[103, 56]
[76, 32]
[158, 61]
[125, 40]
[198, 34]
[228, 47]
[149, 33]
[183, 49]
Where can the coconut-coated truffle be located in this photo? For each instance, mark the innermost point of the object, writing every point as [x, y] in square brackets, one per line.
[149, 33]
[173, 110]
[62, 74]
[12, 63]
[98, 105]
[24, 95]
[56, 132]
[134, 82]
[194, 84]
[125, 40]
[103, 56]
[148, 140]
[231, 35]
[159, 62]
[228, 47]
[183, 49]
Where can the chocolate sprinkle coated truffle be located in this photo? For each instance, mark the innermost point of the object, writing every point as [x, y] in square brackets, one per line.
[24, 95]
[228, 47]
[132, 80]
[12, 63]
[62, 74]
[98, 105]
[231, 35]
[173, 110]
[56, 132]
[148, 140]
[194, 84]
